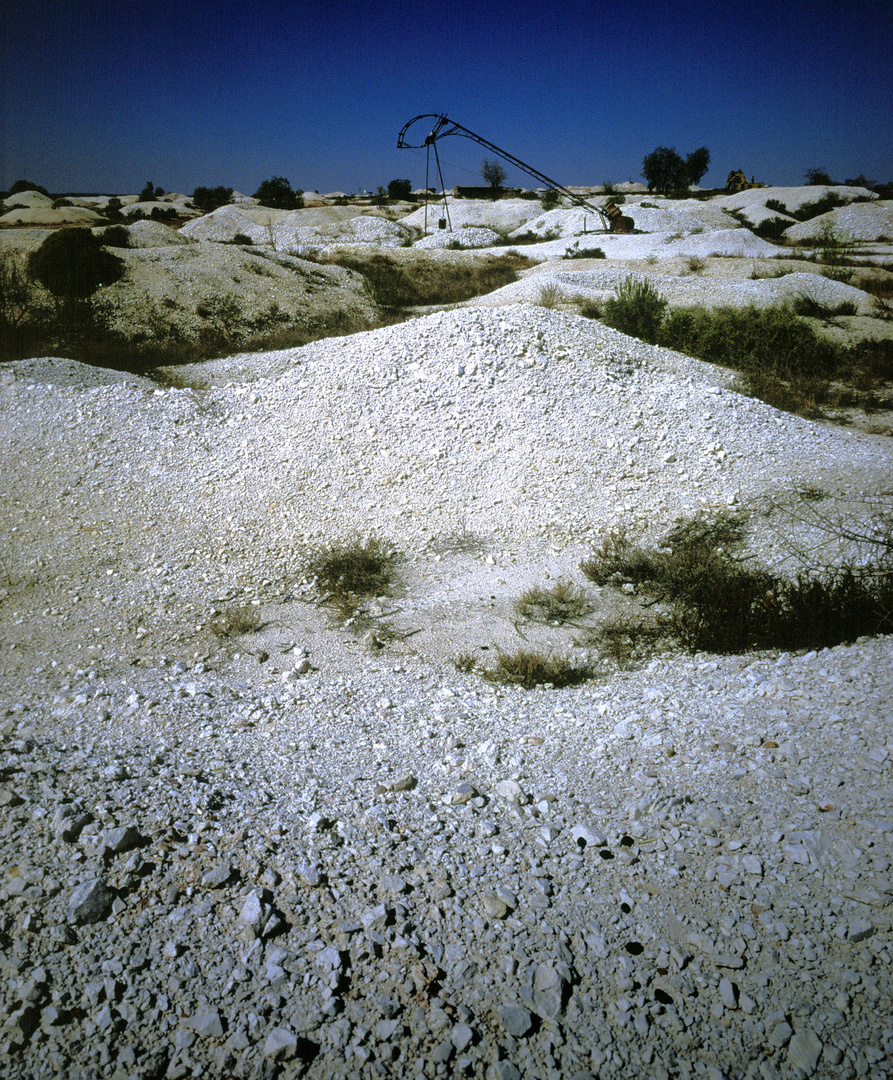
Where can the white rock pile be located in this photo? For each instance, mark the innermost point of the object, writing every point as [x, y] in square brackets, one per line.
[288, 855]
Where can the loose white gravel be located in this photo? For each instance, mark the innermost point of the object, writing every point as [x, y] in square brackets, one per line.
[291, 855]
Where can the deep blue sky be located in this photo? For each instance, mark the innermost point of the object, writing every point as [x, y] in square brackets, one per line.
[104, 96]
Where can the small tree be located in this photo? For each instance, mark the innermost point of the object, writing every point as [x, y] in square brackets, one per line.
[550, 200]
[278, 195]
[150, 193]
[817, 175]
[696, 164]
[493, 173]
[399, 189]
[665, 171]
[208, 199]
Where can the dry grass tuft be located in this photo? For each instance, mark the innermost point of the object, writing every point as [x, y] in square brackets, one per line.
[561, 603]
[236, 621]
[530, 669]
[348, 572]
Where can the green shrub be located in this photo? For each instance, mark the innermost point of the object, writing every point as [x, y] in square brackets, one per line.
[770, 340]
[115, 236]
[637, 310]
[719, 604]
[278, 195]
[771, 229]
[549, 201]
[813, 308]
[150, 193]
[235, 621]
[356, 567]
[549, 296]
[72, 262]
[399, 190]
[575, 252]
[209, 199]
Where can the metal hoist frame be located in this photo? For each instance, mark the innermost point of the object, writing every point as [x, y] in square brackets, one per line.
[444, 127]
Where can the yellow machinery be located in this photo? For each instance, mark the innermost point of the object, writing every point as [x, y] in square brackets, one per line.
[737, 181]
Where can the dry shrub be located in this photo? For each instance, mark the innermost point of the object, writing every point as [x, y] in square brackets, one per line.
[560, 603]
[530, 669]
[235, 621]
[347, 572]
[397, 284]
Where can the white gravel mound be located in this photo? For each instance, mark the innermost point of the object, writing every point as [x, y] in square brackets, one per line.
[28, 200]
[794, 198]
[680, 215]
[859, 221]
[226, 222]
[504, 215]
[57, 371]
[294, 230]
[40, 215]
[298, 847]
[148, 234]
[591, 282]
[468, 237]
[729, 242]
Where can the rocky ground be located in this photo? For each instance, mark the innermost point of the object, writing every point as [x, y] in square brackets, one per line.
[317, 849]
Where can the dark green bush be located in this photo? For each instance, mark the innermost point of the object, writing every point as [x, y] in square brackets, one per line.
[583, 253]
[772, 229]
[209, 199]
[665, 171]
[115, 236]
[771, 340]
[720, 604]
[399, 190]
[150, 193]
[550, 200]
[637, 310]
[72, 262]
[278, 195]
[27, 185]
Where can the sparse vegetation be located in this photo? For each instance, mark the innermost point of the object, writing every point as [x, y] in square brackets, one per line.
[396, 285]
[637, 310]
[530, 669]
[576, 252]
[720, 604]
[560, 603]
[696, 264]
[235, 621]
[347, 573]
[549, 295]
